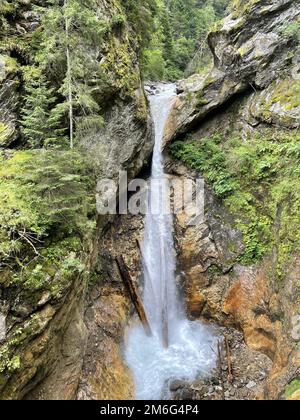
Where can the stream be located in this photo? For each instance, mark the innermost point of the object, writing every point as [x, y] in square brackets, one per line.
[179, 348]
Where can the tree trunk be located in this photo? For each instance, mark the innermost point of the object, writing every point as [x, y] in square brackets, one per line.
[136, 300]
[69, 79]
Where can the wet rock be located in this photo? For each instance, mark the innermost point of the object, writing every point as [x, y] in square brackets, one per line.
[2, 327]
[251, 385]
[187, 395]
[9, 102]
[176, 385]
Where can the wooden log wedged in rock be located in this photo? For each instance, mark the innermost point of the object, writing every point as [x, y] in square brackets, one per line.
[134, 295]
[221, 370]
[229, 361]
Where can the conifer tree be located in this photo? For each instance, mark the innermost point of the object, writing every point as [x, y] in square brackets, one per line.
[41, 119]
[71, 39]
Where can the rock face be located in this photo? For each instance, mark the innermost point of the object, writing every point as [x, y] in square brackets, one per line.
[247, 298]
[9, 101]
[105, 375]
[125, 142]
[252, 87]
[251, 51]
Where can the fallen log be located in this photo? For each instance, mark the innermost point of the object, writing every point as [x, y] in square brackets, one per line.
[229, 361]
[134, 295]
[221, 370]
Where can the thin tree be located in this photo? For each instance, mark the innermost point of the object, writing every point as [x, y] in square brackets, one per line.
[69, 72]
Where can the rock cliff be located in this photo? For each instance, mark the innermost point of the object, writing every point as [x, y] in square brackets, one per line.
[253, 51]
[250, 98]
[46, 283]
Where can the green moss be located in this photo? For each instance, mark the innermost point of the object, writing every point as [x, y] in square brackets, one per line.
[201, 101]
[4, 133]
[207, 157]
[209, 80]
[243, 51]
[8, 67]
[242, 7]
[287, 94]
[291, 30]
[293, 387]
[118, 68]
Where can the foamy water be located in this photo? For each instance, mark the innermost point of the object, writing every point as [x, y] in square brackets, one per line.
[188, 357]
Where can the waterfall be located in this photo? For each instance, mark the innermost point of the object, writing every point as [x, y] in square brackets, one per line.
[179, 349]
[160, 297]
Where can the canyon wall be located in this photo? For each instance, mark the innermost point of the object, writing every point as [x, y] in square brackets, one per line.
[242, 263]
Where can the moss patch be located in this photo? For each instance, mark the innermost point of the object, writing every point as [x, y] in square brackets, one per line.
[5, 133]
[242, 7]
[8, 65]
[292, 388]
[287, 93]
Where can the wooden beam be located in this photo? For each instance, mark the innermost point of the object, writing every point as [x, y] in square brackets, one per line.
[134, 295]
[229, 361]
[220, 369]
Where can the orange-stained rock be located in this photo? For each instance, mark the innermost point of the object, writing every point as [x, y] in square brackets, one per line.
[249, 298]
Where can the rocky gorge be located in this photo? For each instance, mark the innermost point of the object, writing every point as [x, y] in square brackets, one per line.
[64, 314]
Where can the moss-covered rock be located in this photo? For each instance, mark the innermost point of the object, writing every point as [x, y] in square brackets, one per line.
[279, 104]
[9, 97]
[46, 240]
[49, 244]
[292, 391]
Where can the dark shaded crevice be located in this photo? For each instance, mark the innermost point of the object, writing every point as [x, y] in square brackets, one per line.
[196, 125]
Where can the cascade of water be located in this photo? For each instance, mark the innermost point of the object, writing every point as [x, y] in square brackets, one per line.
[179, 348]
[160, 297]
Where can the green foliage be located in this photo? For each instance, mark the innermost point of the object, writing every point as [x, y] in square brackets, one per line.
[258, 181]
[293, 387]
[54, 270]
[180, 32]
[4, 133]
[7, 8]
[141, 14]
[77, 29]
[42, 192]
[156, 65]
[242, 7]
[291, 30]
[41, 119]
[208, 158]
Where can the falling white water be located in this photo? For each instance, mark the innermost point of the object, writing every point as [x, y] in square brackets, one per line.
[179, 349]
